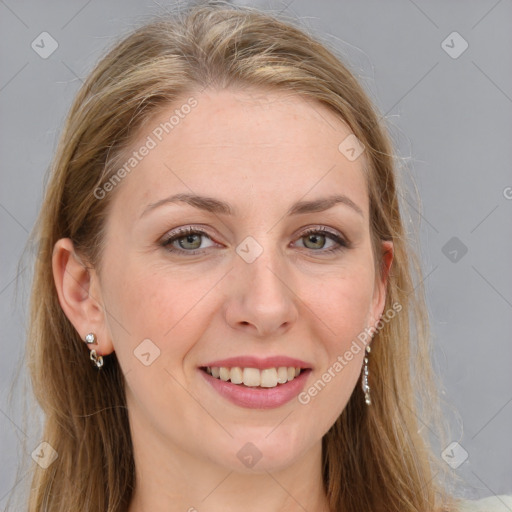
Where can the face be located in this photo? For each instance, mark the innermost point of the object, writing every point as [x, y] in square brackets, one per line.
[265, 285]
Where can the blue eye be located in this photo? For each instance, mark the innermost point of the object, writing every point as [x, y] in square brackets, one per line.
[190, 238]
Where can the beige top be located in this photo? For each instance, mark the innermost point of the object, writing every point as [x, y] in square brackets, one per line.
[501, 503]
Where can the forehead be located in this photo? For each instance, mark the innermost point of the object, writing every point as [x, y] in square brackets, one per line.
[253, 142]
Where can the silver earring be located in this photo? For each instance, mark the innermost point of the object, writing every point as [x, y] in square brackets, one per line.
[366, 387]
[90, 339]
[98, 360]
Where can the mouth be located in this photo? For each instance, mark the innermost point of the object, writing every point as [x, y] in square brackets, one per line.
[256, 388]
[265, 378]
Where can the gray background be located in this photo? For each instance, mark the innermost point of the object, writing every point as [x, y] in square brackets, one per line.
[450, 119]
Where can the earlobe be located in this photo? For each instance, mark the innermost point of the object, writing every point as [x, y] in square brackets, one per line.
[79, 298]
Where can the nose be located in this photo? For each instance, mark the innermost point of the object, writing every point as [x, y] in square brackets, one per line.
[262, 298]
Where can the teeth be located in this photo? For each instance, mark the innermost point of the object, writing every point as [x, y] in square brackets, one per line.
[236, 375]
[282, 375]
[253, 377]
[269, 378]
[224, 373]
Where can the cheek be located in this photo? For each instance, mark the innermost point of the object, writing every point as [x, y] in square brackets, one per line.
[344, 302]
[163, 306]
[343, 310]
[154, 329]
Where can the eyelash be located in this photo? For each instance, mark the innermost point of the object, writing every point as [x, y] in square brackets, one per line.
[184, 232]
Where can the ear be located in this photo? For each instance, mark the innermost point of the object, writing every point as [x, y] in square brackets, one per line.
[79, 294]
[379, 291]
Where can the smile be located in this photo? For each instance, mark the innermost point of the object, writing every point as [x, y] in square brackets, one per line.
[255, 388]
[254, 377]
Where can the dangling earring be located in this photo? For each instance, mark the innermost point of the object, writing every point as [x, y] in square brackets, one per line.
[366, 387]
[90, 339]
[98, 360]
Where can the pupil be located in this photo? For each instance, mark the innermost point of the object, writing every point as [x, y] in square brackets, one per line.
[190, 238]
[315, 238]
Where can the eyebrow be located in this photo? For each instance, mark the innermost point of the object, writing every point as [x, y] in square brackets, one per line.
[216, 206]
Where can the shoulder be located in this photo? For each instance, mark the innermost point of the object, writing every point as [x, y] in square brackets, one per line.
[501, 503]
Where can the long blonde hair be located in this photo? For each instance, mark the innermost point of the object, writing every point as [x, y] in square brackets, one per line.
[375, 458]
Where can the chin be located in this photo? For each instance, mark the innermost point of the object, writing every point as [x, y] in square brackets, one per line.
[260, 450]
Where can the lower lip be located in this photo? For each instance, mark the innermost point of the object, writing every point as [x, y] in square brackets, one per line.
[258, 398]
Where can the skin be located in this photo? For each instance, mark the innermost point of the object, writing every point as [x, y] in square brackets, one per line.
[260, 151]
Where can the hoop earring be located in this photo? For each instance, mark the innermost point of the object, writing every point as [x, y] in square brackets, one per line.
[366, 387]
[98, 360]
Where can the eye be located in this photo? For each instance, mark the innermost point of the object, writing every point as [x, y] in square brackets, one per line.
[317, 237]
[189, 240]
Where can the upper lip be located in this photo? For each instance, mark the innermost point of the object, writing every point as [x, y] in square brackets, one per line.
[257, 362]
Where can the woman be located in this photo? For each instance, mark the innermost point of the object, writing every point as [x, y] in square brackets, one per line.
[221, 237]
